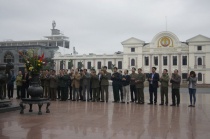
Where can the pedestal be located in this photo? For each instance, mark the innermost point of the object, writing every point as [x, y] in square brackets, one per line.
[32, 101]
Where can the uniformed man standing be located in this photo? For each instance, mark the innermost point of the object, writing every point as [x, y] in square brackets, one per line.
[133, 76]
[95, 86]
[175, 80]
[53, 85]
[140, 79]
[164, 79]
[105, 76]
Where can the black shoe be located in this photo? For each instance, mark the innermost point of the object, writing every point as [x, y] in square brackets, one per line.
[150, 103]
[127, 102]
[101, 101]
[193, 105]
[166, 104]
[161, 104]
[131, 101]
[122, 102]
[73, 100]
[172, 105]
[190, 106]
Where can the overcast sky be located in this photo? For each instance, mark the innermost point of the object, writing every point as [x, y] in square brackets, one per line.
[99, 26]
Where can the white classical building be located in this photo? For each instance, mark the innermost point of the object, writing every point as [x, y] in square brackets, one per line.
[165, 51]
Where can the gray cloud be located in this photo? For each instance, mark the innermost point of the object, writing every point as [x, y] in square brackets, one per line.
[99, 26]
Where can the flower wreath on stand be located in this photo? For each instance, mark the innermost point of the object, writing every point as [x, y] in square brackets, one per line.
[33, 62]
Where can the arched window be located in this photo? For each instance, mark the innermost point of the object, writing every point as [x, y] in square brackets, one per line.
[132, 62]
[199, 61]
[8, 57]
[199, 76]
[21, 60]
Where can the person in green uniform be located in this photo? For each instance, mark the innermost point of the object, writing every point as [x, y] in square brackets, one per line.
[46, 84]
[175, 81]
[95, 85]
[164, 80]
[19, 84]
[133, 76]
[104, 78]
[62, 84]
[53, 85]
[140, 79]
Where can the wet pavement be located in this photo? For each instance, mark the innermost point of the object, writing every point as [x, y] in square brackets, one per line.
[97, 120]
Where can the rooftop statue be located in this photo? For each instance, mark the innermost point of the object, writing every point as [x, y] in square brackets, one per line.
[53, 24]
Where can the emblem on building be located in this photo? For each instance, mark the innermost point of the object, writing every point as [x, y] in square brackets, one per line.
[165, 42]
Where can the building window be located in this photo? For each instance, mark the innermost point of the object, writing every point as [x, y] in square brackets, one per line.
[199, 76]
[119, 64]
[132, 62]
[146, 61]
[79, 65]
[184, 60]
[199, 61]
[8, 57]
[132, 49]
[89, 65]
[174, 60]
[61, 64]
[70, 64]
[199, 48]
[165, 61]
[21, 59]
[184, 75]
[109, 64]
[155, 60]
[99, 65]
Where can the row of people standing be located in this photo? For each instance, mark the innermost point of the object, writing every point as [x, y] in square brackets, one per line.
[81, 85]
[22, 84]
[136, 83]
[76, 85]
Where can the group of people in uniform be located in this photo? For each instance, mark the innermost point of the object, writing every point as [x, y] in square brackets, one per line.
[81, 85]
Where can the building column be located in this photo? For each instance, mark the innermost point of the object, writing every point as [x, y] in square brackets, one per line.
[57, 66]
[204, 64]
[160, 62]
[63, 44]
[195, 61]
[94, 64]
[150, 61]
[204, 79]
[180, 62]
[169, 68]
[84, 64]
[136, 63]
[129, 61]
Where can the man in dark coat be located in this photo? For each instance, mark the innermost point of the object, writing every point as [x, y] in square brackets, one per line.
[153, 79]
[116, 83]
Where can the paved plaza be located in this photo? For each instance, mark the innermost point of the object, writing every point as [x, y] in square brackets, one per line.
[97, 120]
